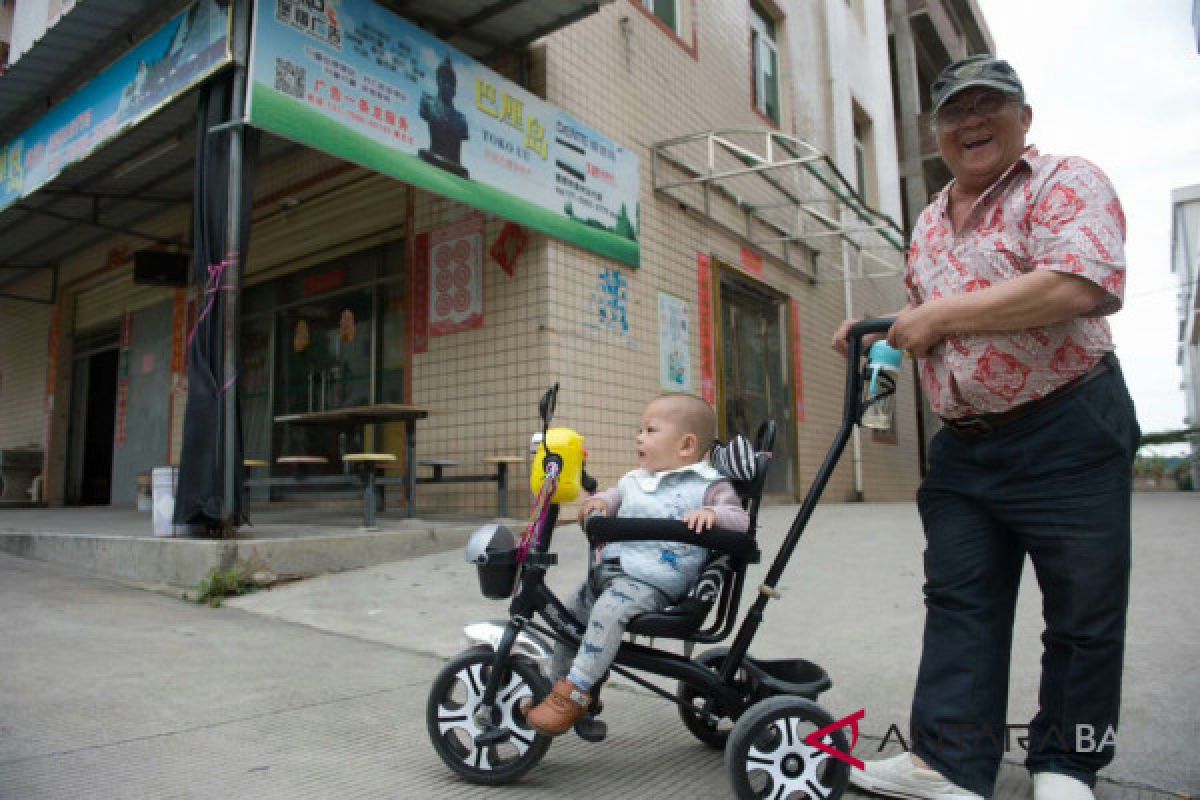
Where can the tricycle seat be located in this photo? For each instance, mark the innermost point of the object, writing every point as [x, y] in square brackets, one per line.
[684, 619]
[720, 583]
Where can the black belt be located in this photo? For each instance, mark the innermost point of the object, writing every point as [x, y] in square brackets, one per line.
[979, 425]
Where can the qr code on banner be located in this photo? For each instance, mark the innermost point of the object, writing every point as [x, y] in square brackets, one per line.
[289, 78]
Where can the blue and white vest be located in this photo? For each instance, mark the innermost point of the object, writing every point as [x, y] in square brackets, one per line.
[670, 566]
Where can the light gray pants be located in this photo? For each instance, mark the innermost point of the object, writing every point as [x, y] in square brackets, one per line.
[607, 600]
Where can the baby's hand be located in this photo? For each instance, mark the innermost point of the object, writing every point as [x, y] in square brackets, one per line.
[701, 519]
[592, 506]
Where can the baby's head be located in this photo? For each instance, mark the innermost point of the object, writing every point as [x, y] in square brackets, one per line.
[677, 430]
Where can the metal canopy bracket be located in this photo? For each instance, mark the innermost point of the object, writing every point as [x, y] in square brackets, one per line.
[773, 190]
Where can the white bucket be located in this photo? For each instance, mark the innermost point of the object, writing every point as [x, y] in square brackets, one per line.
[162, 488]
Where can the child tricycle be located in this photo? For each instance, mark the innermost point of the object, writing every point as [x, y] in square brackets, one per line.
[777, 740]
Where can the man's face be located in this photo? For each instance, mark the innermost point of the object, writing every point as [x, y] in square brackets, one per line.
[980, 134]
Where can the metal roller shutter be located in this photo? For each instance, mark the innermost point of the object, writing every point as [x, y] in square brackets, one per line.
[343, 220]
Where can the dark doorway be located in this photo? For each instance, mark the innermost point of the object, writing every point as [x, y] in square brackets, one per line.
[754, 372]
[93, 421]
[98, 435]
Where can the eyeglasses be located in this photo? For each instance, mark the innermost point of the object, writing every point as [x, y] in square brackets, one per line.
[988, 104]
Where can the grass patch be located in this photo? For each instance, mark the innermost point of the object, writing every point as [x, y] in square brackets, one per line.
[218, 585]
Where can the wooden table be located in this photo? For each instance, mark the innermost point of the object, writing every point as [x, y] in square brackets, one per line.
[357, 417]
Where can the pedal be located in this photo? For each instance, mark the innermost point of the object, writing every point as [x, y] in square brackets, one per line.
[591, 729]
[492, 736]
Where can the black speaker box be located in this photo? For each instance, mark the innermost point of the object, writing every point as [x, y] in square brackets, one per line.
[157, 268]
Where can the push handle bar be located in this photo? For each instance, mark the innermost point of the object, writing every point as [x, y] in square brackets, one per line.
[871, 325]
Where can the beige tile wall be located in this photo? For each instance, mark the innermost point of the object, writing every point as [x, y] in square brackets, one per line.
[636, 85]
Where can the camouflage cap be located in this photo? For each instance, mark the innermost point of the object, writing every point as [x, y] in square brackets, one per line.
[983, 70]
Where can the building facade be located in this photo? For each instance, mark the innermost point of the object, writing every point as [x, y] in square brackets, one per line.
[767, 184]
[1185, 262]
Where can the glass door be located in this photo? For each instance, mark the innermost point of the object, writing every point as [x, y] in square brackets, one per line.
[754, 369]
[325, 360]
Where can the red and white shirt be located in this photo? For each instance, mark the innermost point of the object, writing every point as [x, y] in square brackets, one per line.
[1045, 212]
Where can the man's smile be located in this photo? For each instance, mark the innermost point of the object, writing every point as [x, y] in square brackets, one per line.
[976, 140]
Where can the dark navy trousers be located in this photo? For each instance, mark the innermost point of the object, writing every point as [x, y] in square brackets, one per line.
[1055, 485]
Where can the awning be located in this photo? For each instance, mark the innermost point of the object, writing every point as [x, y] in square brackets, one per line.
[780, 194]
[149, 168]
[85, 38]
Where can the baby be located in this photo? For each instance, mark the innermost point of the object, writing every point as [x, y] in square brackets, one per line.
[631, 578]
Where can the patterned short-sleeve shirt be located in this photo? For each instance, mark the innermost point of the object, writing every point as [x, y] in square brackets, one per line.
[1046, 212]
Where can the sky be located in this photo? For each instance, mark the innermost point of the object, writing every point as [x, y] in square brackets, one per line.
[1118, 82]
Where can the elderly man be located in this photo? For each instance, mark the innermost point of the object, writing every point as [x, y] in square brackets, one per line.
[1011, 270]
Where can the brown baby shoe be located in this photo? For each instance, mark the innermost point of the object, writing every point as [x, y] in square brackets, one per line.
[562, 708]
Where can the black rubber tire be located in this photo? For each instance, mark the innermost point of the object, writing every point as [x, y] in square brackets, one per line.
[714, 736]
[454, 698]
[767, 758]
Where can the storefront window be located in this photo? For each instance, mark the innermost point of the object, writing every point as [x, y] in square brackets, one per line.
[326, 338]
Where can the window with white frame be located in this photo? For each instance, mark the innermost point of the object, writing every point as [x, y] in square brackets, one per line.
[667, 11]
[766, 62]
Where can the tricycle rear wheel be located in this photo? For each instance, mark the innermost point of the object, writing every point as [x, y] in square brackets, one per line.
[713, 734]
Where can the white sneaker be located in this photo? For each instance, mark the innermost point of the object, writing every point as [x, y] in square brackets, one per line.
[1055, 786]
[898, 776]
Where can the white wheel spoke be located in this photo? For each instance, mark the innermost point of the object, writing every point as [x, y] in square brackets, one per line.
[805, 768]
[463, 719]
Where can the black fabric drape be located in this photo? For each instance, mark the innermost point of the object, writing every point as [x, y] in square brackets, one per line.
[201, 488]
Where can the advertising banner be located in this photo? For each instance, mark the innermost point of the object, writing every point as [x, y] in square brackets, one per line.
[179, 55]
[352, 79]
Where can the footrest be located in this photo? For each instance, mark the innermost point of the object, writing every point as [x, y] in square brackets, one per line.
[589, 729]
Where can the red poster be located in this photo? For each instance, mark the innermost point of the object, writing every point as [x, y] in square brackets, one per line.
[324, 282]
[797, 362]
[752, 262]
[509, 245]
[179, 316]
[123, 381]
[456, 277]
[52, 373]
[420, 289]
[704, 309]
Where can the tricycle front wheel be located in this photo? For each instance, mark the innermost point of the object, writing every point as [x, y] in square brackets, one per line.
[453, 717]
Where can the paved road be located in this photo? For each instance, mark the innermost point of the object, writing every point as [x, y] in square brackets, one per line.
[318, 689]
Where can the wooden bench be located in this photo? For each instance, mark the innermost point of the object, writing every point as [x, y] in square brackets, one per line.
[499, 475]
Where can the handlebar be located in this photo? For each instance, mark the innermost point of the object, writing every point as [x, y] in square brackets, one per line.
[630, 529]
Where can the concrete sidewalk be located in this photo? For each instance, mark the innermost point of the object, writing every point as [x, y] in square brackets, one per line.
[852, 603]
[317, 689]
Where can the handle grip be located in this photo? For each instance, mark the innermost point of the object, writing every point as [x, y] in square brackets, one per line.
[871, 325]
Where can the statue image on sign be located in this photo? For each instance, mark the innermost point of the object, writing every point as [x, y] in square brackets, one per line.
[447, 125]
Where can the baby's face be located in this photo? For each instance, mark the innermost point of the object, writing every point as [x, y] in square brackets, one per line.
[662, 444]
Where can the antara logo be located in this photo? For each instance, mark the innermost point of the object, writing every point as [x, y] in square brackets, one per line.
[816, 738]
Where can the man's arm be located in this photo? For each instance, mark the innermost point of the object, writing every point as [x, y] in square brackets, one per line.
[1035, 299]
